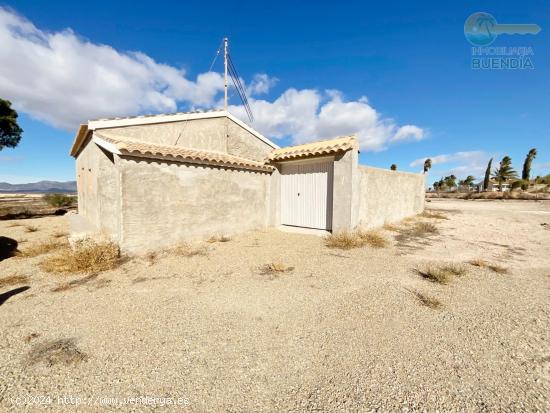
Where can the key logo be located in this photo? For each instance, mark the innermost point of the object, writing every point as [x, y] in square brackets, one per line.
[481, 29]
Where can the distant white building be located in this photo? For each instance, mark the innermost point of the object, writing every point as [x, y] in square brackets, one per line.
[494, 186]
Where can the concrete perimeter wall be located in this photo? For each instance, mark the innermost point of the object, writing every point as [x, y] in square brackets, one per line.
[388, 196]
[166, 203]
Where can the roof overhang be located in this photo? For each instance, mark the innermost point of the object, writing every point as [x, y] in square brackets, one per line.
[99, 124]
[128, 147]
[314, 149]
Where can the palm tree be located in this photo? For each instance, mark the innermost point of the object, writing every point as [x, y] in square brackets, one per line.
[393, 167]
[427, 165]
[487, 175]
[527, 164]
[504, 172]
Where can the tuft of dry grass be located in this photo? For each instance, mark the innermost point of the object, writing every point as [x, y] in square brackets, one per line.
[388, 226]
[275, 269]
[182, 250]
[498, 269]
[30, 228]
[373, 238]
[427, 301]
[15, 224]
[43, 248]
[13, 280]
[346, 240]
[52, 352]
[218, 238]
[441, 273]
[86, 256]
[60, 234]
[427, 213]
[423, 228]
[188, 250]
[478, 262]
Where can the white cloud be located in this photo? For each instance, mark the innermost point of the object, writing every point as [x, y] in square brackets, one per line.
[447, 158]
[308, 114]
[261, 84]
[64, 80]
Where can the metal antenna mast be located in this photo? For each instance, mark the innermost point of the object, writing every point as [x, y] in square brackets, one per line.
[225, 41]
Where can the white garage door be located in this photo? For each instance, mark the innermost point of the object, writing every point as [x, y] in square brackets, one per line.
[306, 194]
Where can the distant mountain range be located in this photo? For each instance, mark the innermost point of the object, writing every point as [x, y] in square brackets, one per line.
[42, 186]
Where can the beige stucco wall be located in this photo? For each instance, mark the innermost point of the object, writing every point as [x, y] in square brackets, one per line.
[165, 203]
[388, 196]
[98, 188]
[214, 134]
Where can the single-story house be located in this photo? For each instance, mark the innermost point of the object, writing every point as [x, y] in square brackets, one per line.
[494, 186]
[153, 181]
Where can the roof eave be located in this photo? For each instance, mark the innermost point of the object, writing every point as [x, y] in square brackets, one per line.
[79, 139]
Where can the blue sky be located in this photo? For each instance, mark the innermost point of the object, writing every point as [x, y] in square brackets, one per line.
[397, 73]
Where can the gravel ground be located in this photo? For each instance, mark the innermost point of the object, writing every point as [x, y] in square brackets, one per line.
[342, 331]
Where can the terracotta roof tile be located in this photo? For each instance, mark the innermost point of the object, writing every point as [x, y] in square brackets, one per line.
[340, 144]
[148, 150]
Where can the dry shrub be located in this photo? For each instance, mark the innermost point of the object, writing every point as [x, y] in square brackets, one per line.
[478, 262]
[275, 269]
[13, 280]
[86, 256]
[218, 238]
[430, 302]
[43, 248]
[433, 214]
[30, 228]
[52, 352]
[441, 273]
[60, 234]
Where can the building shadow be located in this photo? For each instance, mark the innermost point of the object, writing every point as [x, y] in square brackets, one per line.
[8, 247]
[8, 294]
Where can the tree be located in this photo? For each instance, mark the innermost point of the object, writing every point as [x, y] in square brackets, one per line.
[527, 164]
[466, 182]
[427, 165]
[10, 132]
[450, 181]
[504, 172]
[469, 181]
[487, 175]
[393, 167]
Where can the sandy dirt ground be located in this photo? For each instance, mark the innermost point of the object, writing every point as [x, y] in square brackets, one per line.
[342, 331]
